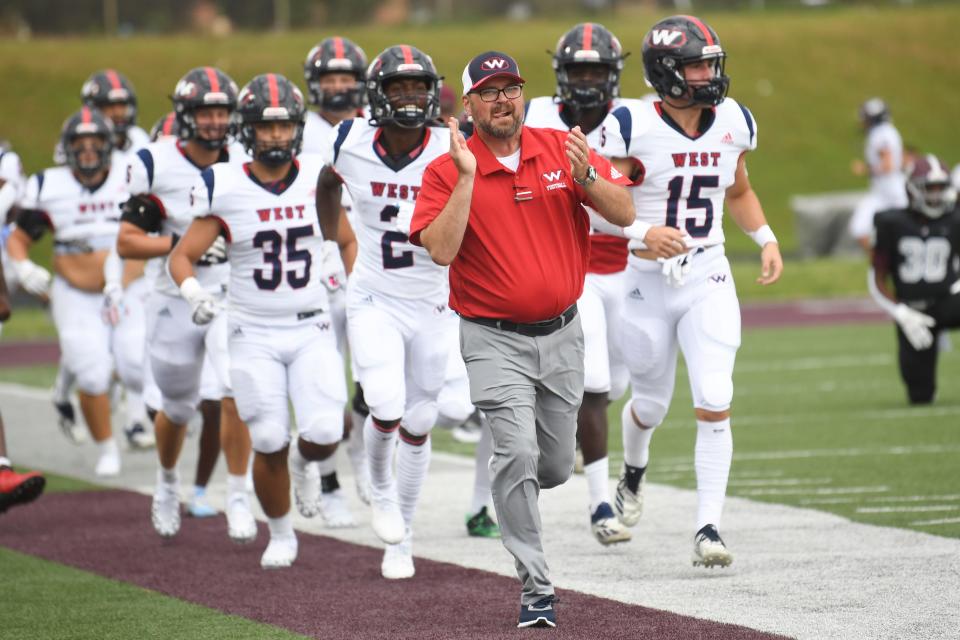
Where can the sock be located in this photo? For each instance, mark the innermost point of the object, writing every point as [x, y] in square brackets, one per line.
[598, 477]
[636, 441]
[328, 474]
[712, 456]
[281, 527]
[168, 476]
[136, 410]
[108, 447]
[413, 460]
[63, 385]
[380, 447]
[633, 476]
[198, 491]
[236, 484]
[481, 471]
[5, 462]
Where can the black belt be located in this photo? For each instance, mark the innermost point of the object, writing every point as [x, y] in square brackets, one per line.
[303, 315]
[532, 329]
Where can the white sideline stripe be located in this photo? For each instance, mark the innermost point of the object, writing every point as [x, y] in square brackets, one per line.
[26, 391]
[812, 501]
[805, 364]
[885, 414]
[825, 491]
[775, 482]
[932, 507]
[917, 523]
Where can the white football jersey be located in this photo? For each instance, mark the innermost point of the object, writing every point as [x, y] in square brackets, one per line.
[273, 239]
[685, 179]
[386, 261]
[11, 170]
[81, 219]
[891, 187]
[163, 170]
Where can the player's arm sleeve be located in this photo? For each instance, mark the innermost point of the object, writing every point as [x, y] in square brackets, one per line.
[141, 172]
[433, 197]
[617, 132]
[750, 133]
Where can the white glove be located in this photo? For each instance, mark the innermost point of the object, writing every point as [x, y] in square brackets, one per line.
[332, 271]
[675, 269]
[404, 217]
[915, 325]
[216, 253]
[32, 277]
[205, 306]
[112, 304]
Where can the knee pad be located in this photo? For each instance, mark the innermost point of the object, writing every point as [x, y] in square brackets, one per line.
[94, 378]
[420, 418]
[453, 403]
[323, 430]
[716, 392]
[268, 437]
[619, 381]
[648, 412]
[383, 395]
[179, 411]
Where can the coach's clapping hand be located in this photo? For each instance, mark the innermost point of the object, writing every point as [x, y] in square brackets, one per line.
[578, 152]
[463, 158]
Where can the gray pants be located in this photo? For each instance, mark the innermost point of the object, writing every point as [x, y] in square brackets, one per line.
[530, 389]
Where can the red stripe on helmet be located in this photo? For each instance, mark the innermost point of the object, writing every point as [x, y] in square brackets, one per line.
[274, 91]
[114, 79]
[588, 36]
[168, 124]
[703, 29]
[407, 54]
[214, 80]
[338, 47]
[85, 116]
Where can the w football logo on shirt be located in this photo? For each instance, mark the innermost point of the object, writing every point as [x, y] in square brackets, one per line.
[553, 176]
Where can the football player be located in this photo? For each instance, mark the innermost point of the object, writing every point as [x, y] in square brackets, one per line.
[687, 152]
[587, 63]
[157, 214]
[12, 182]
[334, 71]
[80, 204]
[112, 94]
[282, 341]
[884, 155]
[918, 248]
[397, 313]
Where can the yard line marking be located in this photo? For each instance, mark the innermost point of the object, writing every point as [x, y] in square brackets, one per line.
[925, 523]
[782, 482]
[807, 364]
[940, 498]
[800, 491]
[929, 507]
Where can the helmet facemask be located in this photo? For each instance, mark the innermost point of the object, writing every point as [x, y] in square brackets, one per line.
[582, 94]
[270, 153]
[673, 84]
[409, 110]
[79, 146]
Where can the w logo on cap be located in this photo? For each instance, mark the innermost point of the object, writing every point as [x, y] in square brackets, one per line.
[492, 64]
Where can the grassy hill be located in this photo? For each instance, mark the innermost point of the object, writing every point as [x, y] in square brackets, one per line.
[803, 74]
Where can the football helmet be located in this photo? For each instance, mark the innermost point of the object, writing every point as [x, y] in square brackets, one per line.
[335, 55]
[87, 122]
[111, 87]
[587, 43]
[397, 62]
[203, 87]
[677, 41]
[873, 112]
[270, 97]
[165, 127]
[929, 189]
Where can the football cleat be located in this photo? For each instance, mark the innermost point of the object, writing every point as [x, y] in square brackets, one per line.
[481, 525]
[280, 552]
[165, 510]
[627, 504]
[398, 559]
[241, 526]
[335, 511]
[67, 421]
[108, 464]
[386, 519]
[198, 507]
[306, 489]
[607, 529]
[19, 488]
[542, 613]
[709, 550]
[470, 430]
[138, 438]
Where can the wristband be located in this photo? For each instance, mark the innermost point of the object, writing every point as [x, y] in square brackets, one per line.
[763, 235]
[637, 230]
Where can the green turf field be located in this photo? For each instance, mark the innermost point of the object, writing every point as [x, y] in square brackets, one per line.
[803, 74]
[50, 600]
[820, 421]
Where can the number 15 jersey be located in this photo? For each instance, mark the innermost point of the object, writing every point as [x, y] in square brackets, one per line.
[379, 184]
[684, 178]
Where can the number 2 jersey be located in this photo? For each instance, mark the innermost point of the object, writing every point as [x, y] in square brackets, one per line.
[921, 254]
[273, 237]
[684, 178]
[387, 262]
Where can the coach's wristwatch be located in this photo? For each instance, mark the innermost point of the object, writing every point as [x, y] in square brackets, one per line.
[588, 179]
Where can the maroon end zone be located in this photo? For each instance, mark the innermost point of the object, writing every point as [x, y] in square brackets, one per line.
[333, 591]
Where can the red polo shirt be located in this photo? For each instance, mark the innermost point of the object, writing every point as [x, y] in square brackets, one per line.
[525, 251]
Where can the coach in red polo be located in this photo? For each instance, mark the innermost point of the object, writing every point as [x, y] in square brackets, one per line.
[505, 211]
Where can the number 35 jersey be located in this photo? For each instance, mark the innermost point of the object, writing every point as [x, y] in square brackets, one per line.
[379, 185]
[921, 254]
[684, 178]
[273, 240]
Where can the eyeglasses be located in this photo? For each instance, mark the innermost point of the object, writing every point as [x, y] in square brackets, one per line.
[490, 94]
